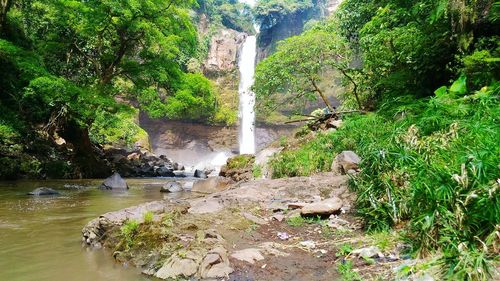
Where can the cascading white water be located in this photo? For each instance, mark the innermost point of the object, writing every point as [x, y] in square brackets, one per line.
[247, 97]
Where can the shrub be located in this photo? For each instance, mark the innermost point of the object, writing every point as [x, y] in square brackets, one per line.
[433, 164]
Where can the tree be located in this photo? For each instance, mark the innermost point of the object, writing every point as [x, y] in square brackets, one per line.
[140, 41]
[4, 8]
[298, 65]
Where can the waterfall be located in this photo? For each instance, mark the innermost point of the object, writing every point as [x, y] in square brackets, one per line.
[247, 97]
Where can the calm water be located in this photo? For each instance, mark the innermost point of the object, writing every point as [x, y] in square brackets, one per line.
[40, 237]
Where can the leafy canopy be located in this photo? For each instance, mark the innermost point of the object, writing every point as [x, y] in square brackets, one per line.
[297, 68]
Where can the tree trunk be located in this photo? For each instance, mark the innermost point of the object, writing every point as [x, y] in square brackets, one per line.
[355, 90]
[86, 160]
[323, 97]
[4, 9]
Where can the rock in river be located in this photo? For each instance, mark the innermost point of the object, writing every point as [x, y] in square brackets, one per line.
[200, 174]
[43, 191]
[172, 186]
[115, 182]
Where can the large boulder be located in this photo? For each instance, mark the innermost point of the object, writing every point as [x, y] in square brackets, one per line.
[41, 191]
[114, 182]
[324, 207]
[212, 185]
[344, 162]
[172, 187]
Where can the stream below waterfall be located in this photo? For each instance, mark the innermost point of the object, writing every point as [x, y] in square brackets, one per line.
[41, 236]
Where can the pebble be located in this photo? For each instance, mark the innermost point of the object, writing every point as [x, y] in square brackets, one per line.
[283, 235]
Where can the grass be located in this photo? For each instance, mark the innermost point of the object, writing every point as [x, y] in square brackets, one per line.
[429, 166]
[344, 250]
[298, 221]
[346, 271]
[257, 171]
[241, 161]
[128, 231]
[148, 217]
[384, 240]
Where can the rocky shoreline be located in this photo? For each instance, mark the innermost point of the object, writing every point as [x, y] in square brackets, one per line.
[214, 250]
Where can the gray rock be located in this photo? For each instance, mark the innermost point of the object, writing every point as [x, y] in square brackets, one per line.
[41, 191]
[172, 186]
[165, 172]
[338, 223]
[345, 161]
[325, 207]
[211, 185]
[176, 267]
[250, 255]
[254, 219]
[179, 174]
[278, 217]
[200, 174]
[115, 182]
[205, 206]
[367, 252]
[215, 264]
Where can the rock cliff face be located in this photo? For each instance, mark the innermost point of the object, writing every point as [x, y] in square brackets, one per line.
[291, 25]
[223, 51]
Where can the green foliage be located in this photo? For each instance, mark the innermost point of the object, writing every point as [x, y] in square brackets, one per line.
[230, 13]
[240, 161]
[432, 163]
[195, 99]
[346, 271]
[148, 217]
[293, 73]
[62, 63]
[117, 128]
[384, 240]
[345, 249]
[128, 231]
[296, 221]
[225, 115]
[268, 13]
[257, 171]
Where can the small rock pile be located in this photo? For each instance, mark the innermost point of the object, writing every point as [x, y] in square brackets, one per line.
[238, 168]
[141, 163]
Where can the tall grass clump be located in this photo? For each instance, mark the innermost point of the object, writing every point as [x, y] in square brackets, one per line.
[429, 165]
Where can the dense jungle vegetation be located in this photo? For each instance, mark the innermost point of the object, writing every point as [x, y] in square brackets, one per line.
[425, 74]
[65, 64]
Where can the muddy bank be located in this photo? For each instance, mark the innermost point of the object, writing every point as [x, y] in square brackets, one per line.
[184, 142]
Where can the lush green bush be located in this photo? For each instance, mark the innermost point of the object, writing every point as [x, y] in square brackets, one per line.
[433, 164]
[120, 129]
[270, 12]
[230, 13]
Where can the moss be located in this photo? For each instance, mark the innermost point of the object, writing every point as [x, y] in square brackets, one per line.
[241, 161]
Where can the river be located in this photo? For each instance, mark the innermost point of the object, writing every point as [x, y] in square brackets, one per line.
[40, 237]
